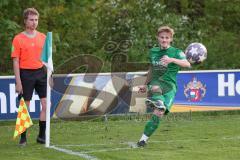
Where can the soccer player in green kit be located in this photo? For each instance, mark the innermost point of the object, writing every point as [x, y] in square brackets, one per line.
[165, 62]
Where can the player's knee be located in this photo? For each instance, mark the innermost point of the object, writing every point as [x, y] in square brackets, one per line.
[158, 112]
[156, 89]
[44, 104]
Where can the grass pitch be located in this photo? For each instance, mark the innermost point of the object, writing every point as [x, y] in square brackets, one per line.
[181, 136]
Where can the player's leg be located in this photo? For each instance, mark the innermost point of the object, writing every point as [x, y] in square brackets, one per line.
[42, 122]
[156, 102]
[164, 100]
[41, 89]
[28, 83]
[168, 100]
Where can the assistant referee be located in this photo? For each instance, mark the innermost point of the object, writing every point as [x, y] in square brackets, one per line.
[30, 73]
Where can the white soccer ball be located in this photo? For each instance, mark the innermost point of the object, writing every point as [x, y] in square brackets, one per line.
[196, 53]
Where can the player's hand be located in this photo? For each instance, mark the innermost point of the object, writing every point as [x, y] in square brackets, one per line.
[142, 89]
[19, 89]
[165, 60]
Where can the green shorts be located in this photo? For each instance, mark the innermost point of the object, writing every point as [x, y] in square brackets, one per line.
[166, 97]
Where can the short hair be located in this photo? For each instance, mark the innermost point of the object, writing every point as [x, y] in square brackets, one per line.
[165, 29]
[29, 11]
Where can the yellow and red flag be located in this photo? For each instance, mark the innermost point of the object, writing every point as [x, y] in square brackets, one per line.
[23, 119]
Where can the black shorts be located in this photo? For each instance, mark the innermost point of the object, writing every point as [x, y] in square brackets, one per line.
[34, 79]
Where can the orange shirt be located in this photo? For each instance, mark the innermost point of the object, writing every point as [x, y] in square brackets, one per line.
[28, 50]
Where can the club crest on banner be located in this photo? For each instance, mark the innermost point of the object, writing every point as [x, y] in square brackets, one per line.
[195, 90]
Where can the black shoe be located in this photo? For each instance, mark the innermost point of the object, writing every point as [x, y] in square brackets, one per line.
[40, 140]
[141, 144]
[23, 142]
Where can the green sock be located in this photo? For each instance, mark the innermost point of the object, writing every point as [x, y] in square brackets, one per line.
[151, 125]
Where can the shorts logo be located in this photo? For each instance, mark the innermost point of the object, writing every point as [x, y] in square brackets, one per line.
[194, 91]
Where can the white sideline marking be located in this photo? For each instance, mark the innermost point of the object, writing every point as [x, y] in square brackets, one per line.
[107, 150]
[83, 145]
[82, 155]
[131, 145]
[233, 138]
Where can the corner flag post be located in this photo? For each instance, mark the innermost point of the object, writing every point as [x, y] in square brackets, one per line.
[47, 60]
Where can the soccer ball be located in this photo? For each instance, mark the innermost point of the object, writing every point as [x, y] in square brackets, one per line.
[196, 53]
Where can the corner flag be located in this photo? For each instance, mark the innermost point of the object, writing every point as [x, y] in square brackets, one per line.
[47, 60]
[47, 52]
[23, 119]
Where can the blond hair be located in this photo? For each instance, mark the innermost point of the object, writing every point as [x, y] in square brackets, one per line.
[165, 29]
[29, 11]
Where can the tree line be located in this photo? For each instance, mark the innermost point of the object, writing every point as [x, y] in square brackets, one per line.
[115, 32]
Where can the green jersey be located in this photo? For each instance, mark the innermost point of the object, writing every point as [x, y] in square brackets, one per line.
[165, 75]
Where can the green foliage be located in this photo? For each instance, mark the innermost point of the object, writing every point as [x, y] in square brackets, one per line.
[89, 26]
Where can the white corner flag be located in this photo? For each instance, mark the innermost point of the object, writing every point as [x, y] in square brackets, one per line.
[47, 60]
[47, 52]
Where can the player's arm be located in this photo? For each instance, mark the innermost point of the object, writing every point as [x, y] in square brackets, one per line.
[143, 88]
[181, 62]
[16, 69]
[17, 75]
[149, 75]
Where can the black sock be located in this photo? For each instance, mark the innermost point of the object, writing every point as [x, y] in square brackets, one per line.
[23, 135]
[42, 129]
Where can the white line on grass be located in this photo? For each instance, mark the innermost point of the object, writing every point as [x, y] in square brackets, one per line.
[80, 154]
[83, 145]
[107, 150]
[132, 145]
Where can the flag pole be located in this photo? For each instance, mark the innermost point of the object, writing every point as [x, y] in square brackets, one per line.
[49, 72]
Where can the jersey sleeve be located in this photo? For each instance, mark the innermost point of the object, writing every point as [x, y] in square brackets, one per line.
[15, 50]
[181, 55]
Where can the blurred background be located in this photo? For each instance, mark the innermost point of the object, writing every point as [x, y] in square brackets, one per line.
[104, 28]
